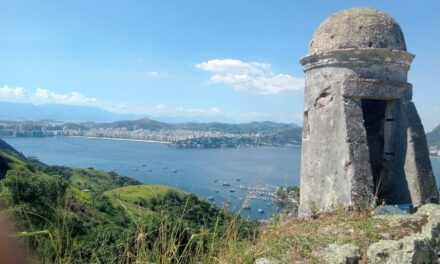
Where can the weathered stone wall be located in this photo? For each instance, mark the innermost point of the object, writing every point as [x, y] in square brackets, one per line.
[327, 183]
[417, 167]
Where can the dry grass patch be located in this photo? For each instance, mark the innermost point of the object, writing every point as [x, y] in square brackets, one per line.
[302, 239]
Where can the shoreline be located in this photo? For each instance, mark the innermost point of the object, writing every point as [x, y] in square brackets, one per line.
[123, 139]
[163, 142]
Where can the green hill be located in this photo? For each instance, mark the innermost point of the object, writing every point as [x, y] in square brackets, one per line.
[244, 128]
[144, 123]
[5, 147]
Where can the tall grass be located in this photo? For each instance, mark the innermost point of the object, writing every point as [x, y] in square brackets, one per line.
[205, 245]
[174, 241]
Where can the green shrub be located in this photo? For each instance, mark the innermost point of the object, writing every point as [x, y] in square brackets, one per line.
[34, 193]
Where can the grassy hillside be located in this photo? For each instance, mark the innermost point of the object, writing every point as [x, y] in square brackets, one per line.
[72, 215]
[135, 194]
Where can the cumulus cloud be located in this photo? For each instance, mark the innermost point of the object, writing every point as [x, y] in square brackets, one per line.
[199, 111]
[12, 93]
[156, 74]
[153, 74]
[161, 110]
[45, 96]
[255, 77]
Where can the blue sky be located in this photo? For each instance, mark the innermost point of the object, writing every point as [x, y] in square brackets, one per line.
[182, 58]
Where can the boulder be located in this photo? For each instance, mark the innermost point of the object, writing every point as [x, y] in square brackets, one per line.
[384, 251]
[265, 261]
[414, 249]
[429, 209]
[342, 254]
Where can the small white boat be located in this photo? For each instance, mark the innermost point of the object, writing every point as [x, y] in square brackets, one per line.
[231, 190]
[261, 211]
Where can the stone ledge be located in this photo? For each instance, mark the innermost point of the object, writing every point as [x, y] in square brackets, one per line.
[375, 89]
[353, 56]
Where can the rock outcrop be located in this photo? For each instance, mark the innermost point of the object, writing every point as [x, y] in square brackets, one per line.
[420, 248]
[342, 254]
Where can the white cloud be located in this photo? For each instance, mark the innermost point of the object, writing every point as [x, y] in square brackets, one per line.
[12, 93]
[161, 110]
[199, 111]
[255, 77]
[44, 96]
[155, 74]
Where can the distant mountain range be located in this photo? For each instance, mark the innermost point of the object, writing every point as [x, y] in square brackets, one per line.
[181, 135]
[433, 137]
[77, 114]
[243, 128]
[66, 113]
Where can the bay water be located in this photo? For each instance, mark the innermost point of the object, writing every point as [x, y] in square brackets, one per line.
[221, 175]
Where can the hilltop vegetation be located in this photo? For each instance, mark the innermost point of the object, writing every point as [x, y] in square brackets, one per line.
[215, 134]
[289, 137]
[245, 128]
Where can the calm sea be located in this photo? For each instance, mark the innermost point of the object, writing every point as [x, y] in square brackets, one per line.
[202, 171]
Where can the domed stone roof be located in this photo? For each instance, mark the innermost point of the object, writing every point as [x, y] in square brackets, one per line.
[357, 28]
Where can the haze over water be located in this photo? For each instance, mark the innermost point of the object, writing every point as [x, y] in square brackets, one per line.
[201, 171]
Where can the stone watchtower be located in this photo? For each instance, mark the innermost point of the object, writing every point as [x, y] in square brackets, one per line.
[363, 141]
